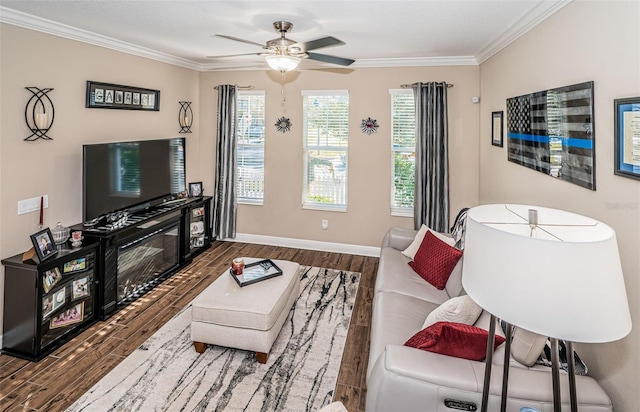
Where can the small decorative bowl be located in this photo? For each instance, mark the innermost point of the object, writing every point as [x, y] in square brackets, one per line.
[60, 234]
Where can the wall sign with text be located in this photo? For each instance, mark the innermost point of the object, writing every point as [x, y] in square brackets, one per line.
[115, 96]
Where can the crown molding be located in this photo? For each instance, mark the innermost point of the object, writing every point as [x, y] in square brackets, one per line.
[416, 62]
[536, 16]
[28, 21]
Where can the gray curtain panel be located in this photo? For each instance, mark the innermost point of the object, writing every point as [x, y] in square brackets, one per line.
[431, 202]
[224, 198]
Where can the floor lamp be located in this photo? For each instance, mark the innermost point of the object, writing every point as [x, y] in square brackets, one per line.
[542, 270]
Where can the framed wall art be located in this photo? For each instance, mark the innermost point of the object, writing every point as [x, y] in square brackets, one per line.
[627, 137]
[115, 96]
[497, 128]
[552, 131]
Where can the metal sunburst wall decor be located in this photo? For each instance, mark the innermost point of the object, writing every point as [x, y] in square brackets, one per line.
[283, 124]
[369, 125]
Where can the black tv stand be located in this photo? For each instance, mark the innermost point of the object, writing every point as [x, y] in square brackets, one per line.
[141, 249]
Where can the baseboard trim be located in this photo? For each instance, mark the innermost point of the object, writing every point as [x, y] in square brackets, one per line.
[307, 244]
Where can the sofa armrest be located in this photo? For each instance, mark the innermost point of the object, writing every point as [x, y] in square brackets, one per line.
[399, 238]
[409, 379]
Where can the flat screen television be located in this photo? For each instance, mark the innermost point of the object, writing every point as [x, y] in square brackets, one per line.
[125, 175]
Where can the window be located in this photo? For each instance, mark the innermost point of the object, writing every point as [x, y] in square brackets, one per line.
[325, 145]
[125, 163]
[250, 147]
[403, 151]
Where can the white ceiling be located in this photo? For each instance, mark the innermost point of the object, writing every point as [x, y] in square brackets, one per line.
[376, 33]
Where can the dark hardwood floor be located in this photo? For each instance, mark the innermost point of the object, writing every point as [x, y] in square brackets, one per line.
[57, 381]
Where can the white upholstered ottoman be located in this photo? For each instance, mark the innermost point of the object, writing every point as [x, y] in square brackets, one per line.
[249, 317]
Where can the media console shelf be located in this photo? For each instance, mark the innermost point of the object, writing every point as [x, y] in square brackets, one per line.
[146, 248]
[47, 304]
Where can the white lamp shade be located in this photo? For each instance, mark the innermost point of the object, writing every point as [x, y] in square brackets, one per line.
[282, 63]
[564, 282]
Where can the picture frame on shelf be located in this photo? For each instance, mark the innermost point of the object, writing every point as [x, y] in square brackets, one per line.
[50, 278]
[497, 128]
[195, 189]
[44, 245]
[115, 96]
[47, 306]
[80, 288]
[626, 131]
[75, 265]
[198, 212]
[59, 298]
[74, 314]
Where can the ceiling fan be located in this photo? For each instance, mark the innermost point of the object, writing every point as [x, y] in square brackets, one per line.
[284, 54]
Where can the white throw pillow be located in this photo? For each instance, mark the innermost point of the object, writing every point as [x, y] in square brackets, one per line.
[461, 309]
[411, 251]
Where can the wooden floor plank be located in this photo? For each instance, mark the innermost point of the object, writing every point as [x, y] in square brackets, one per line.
[48, 386]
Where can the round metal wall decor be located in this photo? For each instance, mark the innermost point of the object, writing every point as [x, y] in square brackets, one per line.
[369, 125]
[283, 124]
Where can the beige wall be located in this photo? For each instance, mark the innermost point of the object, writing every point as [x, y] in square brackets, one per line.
[585, 41]
[368, 215]
[31, 169]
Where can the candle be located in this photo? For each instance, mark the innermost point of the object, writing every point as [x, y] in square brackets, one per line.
[41, 121]
[41, 210]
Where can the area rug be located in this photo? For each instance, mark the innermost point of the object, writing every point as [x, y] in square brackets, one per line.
[166, 373]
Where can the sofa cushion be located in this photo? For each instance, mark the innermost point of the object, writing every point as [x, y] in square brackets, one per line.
[434, 261]
[454, 283]
[394, 319]
[461, 309]
[526, 346]
[454, 339]
[395, 275]
[412, 249]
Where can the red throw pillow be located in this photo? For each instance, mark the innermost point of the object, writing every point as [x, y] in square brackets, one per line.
[454, 339]
[435, 260]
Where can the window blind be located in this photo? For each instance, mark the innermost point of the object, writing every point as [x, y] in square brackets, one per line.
[403, 146]
[250, 147]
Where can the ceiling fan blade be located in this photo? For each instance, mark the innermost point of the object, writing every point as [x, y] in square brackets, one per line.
[330, 59]
[234, 55]
[319, 43]
[240, 40]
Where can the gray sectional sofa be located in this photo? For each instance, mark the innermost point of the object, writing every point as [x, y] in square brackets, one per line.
[401, 378]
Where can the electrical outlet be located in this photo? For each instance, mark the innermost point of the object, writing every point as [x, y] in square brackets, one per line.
[325, 224]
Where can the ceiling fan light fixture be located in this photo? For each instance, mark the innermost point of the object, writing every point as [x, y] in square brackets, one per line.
[282, 63]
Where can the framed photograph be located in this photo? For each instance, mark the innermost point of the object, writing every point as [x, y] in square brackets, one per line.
[195, 189]
[115, 96]
[47, 306]
[43, 244]
[198, 211]
[497, 131]
[59, 298]
[75, 265]
[75, 314]
[50, 278]
[627, 137]
[80, 288]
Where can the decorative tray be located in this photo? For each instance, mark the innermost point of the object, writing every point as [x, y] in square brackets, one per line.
[256, 272]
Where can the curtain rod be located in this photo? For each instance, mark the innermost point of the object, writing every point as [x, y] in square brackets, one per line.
[239, 87]
[408, 86]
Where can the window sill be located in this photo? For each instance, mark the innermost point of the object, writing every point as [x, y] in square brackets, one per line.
[401, 213]
[256, 202]
[327, 208]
